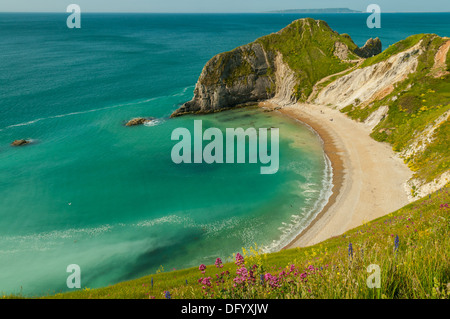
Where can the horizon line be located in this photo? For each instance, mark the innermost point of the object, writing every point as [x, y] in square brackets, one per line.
[265, 12]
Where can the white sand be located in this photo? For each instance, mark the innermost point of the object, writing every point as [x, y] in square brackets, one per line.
[372, 178]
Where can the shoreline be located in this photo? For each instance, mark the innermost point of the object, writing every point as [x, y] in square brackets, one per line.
[337, 167]
[356, 184]
[331, 151]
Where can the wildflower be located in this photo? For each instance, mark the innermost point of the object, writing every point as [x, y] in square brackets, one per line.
[272, 280]
[167, 295]
[186, 282]
[202, 268]
[261, 278]
[239, 259]
[242, 272]
[207, 281]
[396, 243]
[218, 263]
[152, 282]
[238, 280]
[350, 250]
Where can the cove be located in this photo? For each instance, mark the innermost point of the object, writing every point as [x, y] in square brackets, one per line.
[236, 138]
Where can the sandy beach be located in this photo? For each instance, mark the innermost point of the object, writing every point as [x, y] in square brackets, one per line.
[368, 179]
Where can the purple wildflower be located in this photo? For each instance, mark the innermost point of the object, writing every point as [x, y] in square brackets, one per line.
[272, 280]
[239, 259]
[350, 251]
[396, 243]
[207, 281]
[218, 263]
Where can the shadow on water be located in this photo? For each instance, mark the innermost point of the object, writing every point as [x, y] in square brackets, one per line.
[149, 261]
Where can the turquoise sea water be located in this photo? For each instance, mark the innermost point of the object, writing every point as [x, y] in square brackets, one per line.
[92, 192]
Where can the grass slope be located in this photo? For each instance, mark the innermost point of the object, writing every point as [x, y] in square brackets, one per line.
[413, 105]
[418, 266]
[307, 46]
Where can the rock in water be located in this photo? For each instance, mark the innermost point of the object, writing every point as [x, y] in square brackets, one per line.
[139, 121]
[20, 143]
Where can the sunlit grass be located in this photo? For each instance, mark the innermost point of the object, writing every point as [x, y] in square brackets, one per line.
[418, 266]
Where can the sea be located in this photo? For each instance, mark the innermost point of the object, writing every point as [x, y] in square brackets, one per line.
[92, 192]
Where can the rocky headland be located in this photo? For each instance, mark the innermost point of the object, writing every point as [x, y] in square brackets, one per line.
[400, 94]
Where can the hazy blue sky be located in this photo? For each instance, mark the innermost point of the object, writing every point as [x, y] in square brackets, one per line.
[218, 5]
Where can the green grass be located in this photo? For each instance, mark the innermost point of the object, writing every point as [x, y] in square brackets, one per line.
[419, 268]
[239, 73]
[447, 61]
[307, 47]
[394, 49]
[414, 104]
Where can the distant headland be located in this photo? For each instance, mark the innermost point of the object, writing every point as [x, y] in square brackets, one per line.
[323, 10]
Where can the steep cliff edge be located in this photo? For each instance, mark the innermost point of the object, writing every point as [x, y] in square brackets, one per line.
[232, 78]
[401, 94]
[285, 64]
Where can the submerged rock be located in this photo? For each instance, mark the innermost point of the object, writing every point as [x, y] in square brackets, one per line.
[20, 143]
[139, 121]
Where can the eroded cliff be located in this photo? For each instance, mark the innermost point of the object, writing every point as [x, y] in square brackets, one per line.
[284, 65]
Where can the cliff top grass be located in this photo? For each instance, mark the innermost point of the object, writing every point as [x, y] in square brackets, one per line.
[395, 48]
[410, 246]
[414, 105]
[307, 46]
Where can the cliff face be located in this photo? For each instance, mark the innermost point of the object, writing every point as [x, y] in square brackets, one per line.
[370, 83]
[400, 94]
[232, 78]
[284, 65]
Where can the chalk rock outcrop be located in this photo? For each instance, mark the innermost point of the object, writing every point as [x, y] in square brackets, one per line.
[283, 65]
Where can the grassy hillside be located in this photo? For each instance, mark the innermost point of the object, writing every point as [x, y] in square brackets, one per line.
[307, 46]
[393, 49]
[411, 246]
[414, 104]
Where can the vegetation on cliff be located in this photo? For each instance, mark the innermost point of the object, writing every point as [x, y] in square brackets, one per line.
[307, 46]
[415, 104]
[411, 247]
[310, 48]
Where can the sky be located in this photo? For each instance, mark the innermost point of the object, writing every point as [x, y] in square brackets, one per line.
[205, 6]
